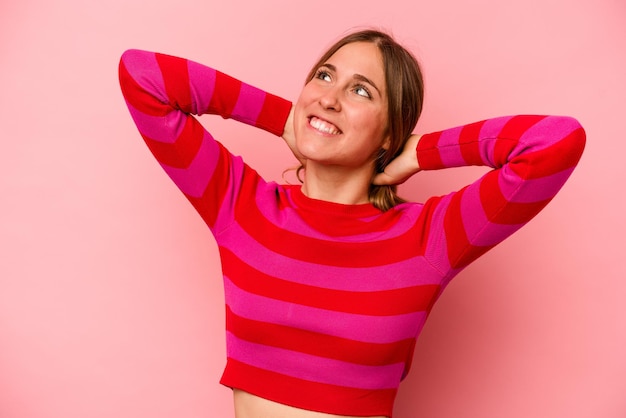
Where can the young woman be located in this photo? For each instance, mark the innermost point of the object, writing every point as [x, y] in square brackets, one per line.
[328, 283]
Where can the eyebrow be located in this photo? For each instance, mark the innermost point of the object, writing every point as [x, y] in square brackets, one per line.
[359, 77]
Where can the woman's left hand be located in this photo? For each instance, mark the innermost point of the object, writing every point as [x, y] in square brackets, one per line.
[289, 137]
[402, 167]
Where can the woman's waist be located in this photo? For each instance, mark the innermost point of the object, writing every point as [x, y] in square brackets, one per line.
[248, 405]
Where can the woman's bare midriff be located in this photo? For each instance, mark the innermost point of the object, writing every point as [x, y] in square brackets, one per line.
[248, 405]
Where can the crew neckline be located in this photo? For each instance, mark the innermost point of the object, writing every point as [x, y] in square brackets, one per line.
[317, 205]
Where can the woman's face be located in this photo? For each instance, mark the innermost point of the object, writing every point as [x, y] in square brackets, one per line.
[341, 114]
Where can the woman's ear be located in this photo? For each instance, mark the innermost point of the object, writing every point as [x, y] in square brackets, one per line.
[386, 143]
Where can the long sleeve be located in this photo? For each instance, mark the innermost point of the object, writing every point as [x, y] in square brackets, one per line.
[531, 157]
[164, 92]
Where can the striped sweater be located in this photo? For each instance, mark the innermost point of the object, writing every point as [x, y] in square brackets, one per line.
[324, 301]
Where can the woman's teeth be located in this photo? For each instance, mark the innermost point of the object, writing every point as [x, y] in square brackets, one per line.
[324, 127]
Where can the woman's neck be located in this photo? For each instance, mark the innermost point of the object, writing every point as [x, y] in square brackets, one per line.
[337, 184]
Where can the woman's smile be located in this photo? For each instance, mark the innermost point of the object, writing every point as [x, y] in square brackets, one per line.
[323, 126]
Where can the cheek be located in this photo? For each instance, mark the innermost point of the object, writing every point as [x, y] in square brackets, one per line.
[300, 105]
[371, 124]
[306, 94]
[298, 116]
[299, 122]
[383, 125]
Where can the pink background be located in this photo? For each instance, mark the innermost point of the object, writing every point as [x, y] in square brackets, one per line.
[110, 297]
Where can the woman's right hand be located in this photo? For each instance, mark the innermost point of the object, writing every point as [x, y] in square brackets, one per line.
[289, 136]
[403, 166]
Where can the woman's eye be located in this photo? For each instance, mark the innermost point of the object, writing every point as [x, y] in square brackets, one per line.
[323, 75]
[362, 91]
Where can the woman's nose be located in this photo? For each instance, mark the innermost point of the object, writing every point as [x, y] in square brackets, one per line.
[330, 99]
